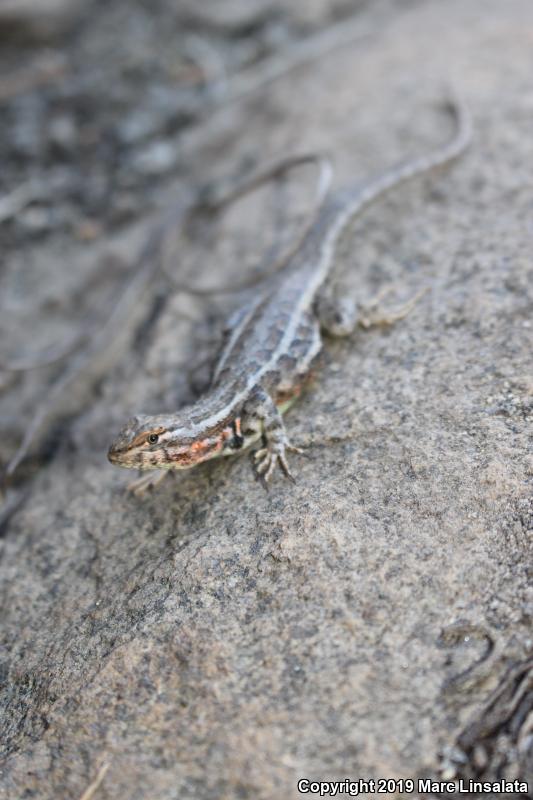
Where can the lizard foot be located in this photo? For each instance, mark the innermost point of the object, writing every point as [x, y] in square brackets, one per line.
[268, 457]
[149, 480]
[373, 315]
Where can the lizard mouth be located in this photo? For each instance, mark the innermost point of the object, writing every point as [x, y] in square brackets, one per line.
[115, 455]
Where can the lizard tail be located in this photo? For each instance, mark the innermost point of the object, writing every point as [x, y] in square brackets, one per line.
[414, 168]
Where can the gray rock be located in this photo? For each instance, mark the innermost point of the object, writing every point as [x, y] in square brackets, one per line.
[35, 219]
[156, 158]
[40, 19]
[62, 132]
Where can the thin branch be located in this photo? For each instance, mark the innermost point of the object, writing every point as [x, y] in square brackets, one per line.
[92, 788]
[268, 173]
[147, 265]
[51, 355]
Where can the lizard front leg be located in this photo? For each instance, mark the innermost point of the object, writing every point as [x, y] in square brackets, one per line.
[261, 415]
[147, 481]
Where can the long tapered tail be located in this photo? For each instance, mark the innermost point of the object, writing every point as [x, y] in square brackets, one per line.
[396, 176]
[344, 205]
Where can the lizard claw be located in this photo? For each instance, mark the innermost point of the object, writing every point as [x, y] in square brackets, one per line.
[374, 315]
[293, 449]
[268, 457]
[146, 482]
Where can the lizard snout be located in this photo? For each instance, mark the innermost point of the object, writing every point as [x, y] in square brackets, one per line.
[121, 443]
[113, 453]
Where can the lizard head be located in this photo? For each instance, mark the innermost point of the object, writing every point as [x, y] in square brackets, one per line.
[147, 442]
[139, 444]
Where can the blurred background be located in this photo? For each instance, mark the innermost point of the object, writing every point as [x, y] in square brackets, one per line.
[107, 109]
[97, 95]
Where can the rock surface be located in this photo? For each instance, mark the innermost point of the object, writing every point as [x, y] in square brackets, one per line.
[214, 641]
[37, 19]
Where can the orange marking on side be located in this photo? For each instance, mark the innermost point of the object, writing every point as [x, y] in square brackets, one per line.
[290, 394]
[226, 434]
[203, 444]
[203, 449]
[296, 390]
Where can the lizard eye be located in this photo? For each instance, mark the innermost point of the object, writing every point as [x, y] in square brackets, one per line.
[153, 438]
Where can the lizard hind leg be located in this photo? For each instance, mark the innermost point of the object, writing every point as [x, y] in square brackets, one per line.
[148, 481]
[337, 314]
[372, 314]
[260, 414]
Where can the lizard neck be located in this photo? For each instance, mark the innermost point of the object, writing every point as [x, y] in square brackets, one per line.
[313, 260]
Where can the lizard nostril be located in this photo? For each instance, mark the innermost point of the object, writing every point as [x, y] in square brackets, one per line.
[113, 452]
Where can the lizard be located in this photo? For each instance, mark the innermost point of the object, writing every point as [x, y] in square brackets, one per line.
[272, 344]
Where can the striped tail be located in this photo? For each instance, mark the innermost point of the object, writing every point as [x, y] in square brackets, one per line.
[356, 201]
